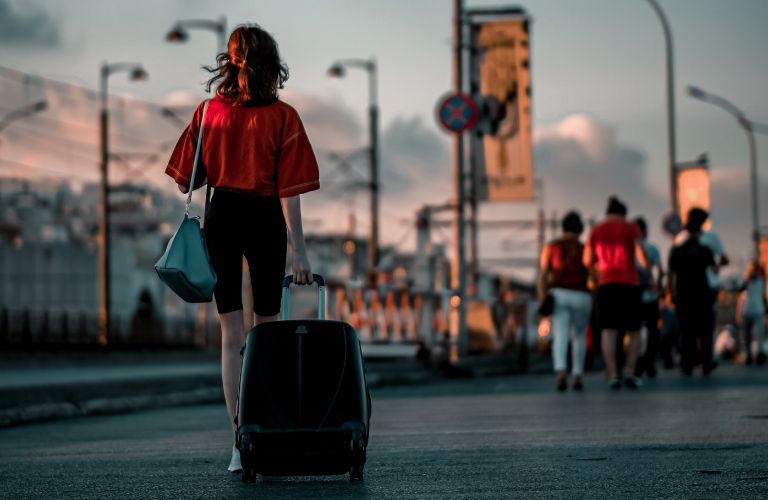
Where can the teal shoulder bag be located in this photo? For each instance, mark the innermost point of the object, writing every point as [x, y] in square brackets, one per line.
[185, 266]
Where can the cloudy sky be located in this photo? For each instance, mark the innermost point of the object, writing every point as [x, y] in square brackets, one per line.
[598, 90]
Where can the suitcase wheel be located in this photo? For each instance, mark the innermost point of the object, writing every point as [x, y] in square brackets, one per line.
[356, 473]
[248, 475]
[357, 445]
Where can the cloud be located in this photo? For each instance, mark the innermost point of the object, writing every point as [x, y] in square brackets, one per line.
[331, 124]
[22, 23]
[412, 153]
[182, 98]
[731, 210]
[582, 163]
[414, 170]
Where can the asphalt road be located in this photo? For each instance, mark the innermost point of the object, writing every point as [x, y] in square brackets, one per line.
[483, 438]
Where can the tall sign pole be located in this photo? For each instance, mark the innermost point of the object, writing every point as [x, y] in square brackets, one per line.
[458, 263]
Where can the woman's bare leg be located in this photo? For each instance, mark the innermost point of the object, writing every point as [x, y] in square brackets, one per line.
[633, 352]
[258, 319]
[232, 340]
[609, 353]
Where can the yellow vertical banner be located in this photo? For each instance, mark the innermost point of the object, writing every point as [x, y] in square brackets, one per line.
[693, 187]
[501, 69]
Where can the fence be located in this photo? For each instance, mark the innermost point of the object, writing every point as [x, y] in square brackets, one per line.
[61, 329]
[390, 317]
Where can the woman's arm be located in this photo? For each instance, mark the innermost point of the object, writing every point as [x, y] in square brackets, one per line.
[543, 273]
[640, 255]
[302, 274]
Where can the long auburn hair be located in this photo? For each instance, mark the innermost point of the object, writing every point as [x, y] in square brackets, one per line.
[251, 69]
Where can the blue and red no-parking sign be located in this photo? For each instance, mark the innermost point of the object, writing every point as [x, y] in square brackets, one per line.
[457, 112]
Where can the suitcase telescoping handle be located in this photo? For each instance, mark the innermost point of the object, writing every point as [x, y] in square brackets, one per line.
[285, 309]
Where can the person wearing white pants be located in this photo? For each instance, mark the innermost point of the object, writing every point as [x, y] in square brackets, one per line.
[564, 276]
[570, 318]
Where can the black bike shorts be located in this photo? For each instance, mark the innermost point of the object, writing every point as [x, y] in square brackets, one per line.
[619, 307]
[241, 224]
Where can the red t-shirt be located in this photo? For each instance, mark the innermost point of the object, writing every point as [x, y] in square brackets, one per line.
[260, 149]
[566, 264]
[613, 248]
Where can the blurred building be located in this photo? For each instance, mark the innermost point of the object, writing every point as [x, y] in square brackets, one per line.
[49, 255]
[49, 281]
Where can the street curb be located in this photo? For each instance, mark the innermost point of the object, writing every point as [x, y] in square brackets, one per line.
[92, 406]
[20, 415]
[91, 399]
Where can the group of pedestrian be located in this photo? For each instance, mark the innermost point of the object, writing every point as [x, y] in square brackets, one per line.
[613, 283]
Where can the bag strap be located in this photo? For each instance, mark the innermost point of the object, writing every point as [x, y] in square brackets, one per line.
[194, 166]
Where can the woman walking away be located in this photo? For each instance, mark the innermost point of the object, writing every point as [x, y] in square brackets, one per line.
[259, 161]
[564, 276]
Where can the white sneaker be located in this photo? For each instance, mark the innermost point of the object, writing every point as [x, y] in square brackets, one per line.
[234, 464]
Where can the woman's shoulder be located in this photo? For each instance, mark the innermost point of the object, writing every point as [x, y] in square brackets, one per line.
[287, 109]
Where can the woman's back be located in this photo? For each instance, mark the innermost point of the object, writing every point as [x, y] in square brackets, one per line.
[262, 149]
[566, 265]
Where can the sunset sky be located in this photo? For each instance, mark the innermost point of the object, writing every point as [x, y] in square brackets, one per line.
[598, 95]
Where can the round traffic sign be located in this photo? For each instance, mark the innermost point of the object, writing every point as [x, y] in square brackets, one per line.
[672, 224]
[457, 112]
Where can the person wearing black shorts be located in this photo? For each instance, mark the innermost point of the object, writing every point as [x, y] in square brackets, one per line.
[258, 159]
[610, 254]
[260, 238]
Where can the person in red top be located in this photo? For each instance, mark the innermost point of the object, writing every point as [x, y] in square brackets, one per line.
[564, 277]
[257, 157]
[611, 253]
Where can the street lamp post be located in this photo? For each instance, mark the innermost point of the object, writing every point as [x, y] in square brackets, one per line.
[179, 33]
[22, 112]
[136, 73]
[748, 127]
[338, 70]
[671, 143]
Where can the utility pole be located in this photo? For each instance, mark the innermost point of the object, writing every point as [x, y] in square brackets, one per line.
[458, 263]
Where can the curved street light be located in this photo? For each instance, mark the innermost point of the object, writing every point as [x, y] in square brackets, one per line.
[136, 72]
[671, 142]
[22, 112]
[748, 127]
[179, 33]
[339, 70]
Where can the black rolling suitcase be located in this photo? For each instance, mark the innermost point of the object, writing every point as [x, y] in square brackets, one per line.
[304, 407]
